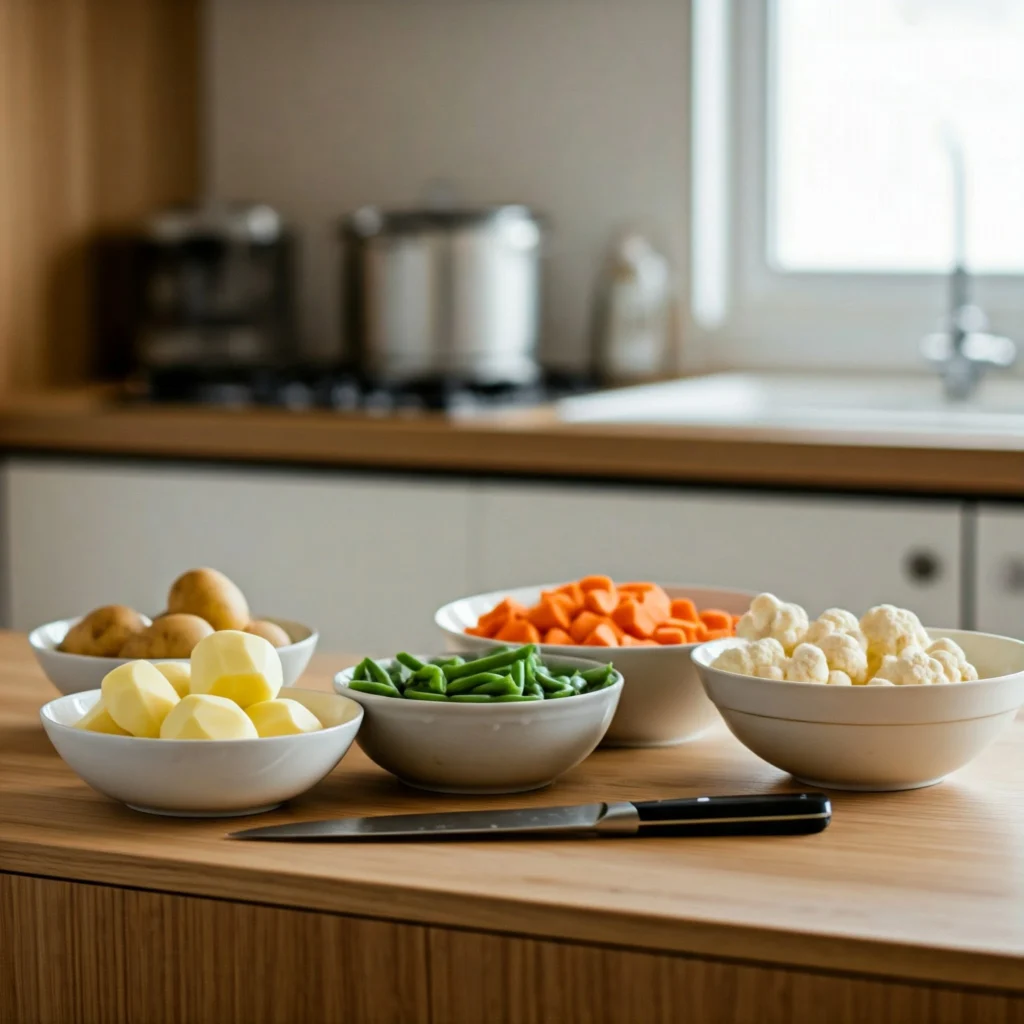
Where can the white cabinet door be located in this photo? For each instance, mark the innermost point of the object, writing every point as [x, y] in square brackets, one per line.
[365, 560]
[818, 551]
[999, 575]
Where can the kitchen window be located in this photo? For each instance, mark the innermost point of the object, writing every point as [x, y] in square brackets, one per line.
[829, 142]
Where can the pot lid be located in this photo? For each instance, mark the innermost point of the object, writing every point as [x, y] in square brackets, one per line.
[372, 220]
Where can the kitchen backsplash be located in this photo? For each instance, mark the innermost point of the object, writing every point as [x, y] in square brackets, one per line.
[576, 107]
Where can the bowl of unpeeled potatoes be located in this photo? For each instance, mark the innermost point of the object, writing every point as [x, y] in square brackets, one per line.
[77, 653]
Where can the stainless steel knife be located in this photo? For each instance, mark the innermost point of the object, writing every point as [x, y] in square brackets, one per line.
[774, 814]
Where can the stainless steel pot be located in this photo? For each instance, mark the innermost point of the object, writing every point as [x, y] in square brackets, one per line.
[450, 293]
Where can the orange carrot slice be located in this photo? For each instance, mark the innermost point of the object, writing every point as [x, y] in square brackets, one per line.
[583, 625]
[558, 636]
[632, 617]
[715, 618]
[657, 603]
[519, 631]
[602, 636]
[683, 608]
[670, 635]
[507, 609]
[603, 602]
[719, 634]
[596, 583]
[549, 614]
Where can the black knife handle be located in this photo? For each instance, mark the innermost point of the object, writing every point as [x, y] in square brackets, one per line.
[772, 814]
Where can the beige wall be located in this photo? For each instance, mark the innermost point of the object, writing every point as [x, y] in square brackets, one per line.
[577, 107]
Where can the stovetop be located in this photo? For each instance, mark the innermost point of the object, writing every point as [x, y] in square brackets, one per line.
[341, 390]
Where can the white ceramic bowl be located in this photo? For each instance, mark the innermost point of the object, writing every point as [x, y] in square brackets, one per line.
[203, 778]
[872, 738]
[483, 748]
[75, 673]
[663, 702]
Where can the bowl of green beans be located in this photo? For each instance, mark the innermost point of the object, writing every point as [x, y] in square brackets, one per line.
[510, 721]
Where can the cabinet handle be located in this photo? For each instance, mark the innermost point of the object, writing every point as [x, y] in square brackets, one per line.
[1013, 575]
[924, 567]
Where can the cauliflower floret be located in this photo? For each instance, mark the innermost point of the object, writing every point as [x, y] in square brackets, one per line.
[835, 620]
[879, 681]
[844, 654]
[954, 662]
[889, 629]
[735, 659]
[767, 658]
[807, 665]
[770, 617]
[762, 658]
[911, 667]
[838, 678]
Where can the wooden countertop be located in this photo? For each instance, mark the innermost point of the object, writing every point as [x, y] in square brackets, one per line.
[925, 885]
[530, 442]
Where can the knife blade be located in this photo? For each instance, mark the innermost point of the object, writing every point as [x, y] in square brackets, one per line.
[762, 814]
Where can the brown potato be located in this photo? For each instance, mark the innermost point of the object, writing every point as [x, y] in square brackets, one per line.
[103, 632]
[210, 595]
[170, 636]
[269, 631]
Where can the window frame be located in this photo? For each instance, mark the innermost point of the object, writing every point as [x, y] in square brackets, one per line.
[744, 312]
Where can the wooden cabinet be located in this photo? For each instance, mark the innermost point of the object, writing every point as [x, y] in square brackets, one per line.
[365, 560]
[820, 551]
[999, 570]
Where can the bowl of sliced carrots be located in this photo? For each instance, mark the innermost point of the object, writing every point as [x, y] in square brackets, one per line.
[647, 630]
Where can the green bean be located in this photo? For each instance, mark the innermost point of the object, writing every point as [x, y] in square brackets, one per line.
[360, 671]
[472, 698]
[598, 675]
[377, 673]
[549, 682]
[577, 682]
[409, 661]
[424, 695]
[500, 687]
[610, 681]
[397, 673]
[449, 661]
[379, 689]
[533, 689]
[567, 692]
[470, 683]
[510, 698]
[517, 672]
[429, 678]
[500, 659]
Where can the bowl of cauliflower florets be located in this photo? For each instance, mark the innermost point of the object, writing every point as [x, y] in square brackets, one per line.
[872, 703]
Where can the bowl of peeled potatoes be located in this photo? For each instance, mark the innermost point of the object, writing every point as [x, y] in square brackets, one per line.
[77, 653]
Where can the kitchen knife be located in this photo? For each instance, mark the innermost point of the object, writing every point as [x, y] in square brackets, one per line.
[775, 814]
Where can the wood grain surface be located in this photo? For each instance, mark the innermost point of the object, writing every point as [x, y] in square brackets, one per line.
[500, 980]
[115, 956]
[925, 885]
[88, 953]
[530, 442]
[99, 122]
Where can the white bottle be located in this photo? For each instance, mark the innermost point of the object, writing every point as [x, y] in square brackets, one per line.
[634, 330]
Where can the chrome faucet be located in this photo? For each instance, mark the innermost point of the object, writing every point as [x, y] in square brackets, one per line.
[963, 347]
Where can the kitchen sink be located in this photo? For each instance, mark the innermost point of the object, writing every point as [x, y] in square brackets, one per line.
[840, 402]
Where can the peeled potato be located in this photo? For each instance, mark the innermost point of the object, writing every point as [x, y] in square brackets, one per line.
[103, 632]
[97, 719]
[138, 698]
[170, 636]
[240, 666]
[177, 673]
[202, 716]
[269, 631]
[210, 595]
[282, 717]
